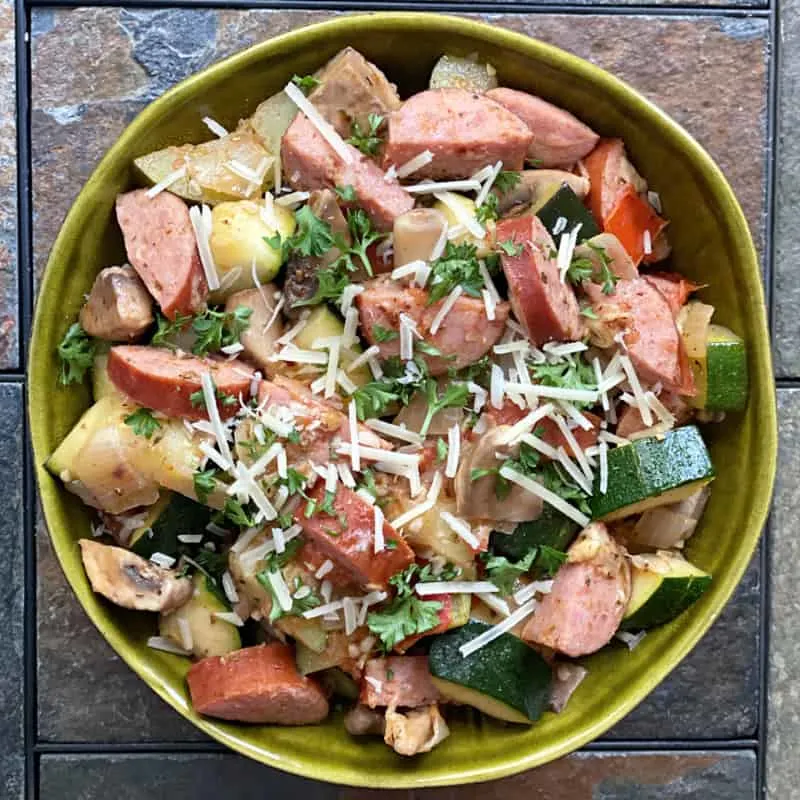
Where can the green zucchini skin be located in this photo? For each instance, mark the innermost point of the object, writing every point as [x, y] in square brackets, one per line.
[565, 203]
[506, 679]
[671, 599]
[726, 365]
[645, 469]
[181, 515]
[551, 528]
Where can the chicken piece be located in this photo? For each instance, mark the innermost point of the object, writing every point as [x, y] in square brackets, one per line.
[119, 307]
[417, 731]
[478, 498]
[130, 581]
[351, 88]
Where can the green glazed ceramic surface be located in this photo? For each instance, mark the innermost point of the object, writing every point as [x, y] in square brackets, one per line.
[711, 245]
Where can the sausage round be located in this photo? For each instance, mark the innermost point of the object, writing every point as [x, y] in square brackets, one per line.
[257, 684]
[165, 381]
[162, 248]
[559, 138]
[546, 308]
[588, 599]
[398, 681]
[464, 131]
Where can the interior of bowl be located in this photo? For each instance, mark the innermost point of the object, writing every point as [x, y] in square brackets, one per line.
[711, 245]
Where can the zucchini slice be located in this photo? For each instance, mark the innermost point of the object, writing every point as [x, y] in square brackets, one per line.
[723, 377]
[551, 528]
[567, 206]
[171, 516]
[652, 472]
[211, 636]
[664, 585]
[506, 679]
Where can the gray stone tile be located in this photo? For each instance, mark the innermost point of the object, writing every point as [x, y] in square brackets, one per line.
[698, 78]
[585, 776]
[86, 692]
[9, 279]
[787, 241]
[783, 723]
[714, 693]
[11, 598]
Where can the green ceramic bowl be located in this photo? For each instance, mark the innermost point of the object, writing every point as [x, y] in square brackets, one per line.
[711, 245]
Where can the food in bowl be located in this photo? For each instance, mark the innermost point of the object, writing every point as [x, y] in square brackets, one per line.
[395, 402]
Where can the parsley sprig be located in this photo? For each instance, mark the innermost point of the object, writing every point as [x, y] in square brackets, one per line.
[367, 140]
[458, 266]
[571, 372]
[143, 422]
[213, 329]
[506, 181]
[583, 269]
[504, 574]
[406, 614]
[454, 395]
[306, 83]
[76, 351]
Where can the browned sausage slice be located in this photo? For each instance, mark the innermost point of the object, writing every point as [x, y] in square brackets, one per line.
[546, 308]
[675, 288]
[465, 335]
[652, 339]
[559, 138]
[309, 163]
[257, 684]
[398, 681]
[165, 381]
[589, 596]
[348, 536]
[631, 422]
[464, 131]
[162, 248]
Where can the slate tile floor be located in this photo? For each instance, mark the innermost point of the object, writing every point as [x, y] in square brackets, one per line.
[93, 727]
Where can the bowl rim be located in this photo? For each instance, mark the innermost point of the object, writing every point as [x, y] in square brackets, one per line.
[582, 70]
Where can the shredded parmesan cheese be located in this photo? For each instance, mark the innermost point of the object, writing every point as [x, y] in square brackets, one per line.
[166, 182]
[414, 164]
[454, 587]
[218, 130]
[338, 144]
[465, 218]
[445, 308]
[432, 187]
[379, 519]
[534, 487]
[200, 217]
[355, 451]
[461, 529]
[498, 630]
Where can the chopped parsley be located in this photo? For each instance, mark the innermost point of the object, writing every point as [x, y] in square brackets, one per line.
[76, 351]
[143, 422]
[204, 482]
[312, 237]
[458, 266]
[489, 210]
[198, 398]
[381, 334]
[504, 573]
[506, 181]
[510, 247]
[236, 513]
[218, 329]
[584, 269]
[367, 141]
[454, 395]
[406, 614]
[441, 450]
[570, 373]
[306, 83]
[165, 329]
[346, 193]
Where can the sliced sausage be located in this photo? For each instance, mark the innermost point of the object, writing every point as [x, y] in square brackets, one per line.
[546, 429]
[131, 581]
[322, 426]
[265, 327]
[546, 307]
[383, 200]
[348, 537]
[464, 336]
[351, 88]
[588, 599]
[165, 381]
[398, 681]
[559, 138]
[119, 307]
[631, 422]
[675, 288]
[309, 162]
[464, 131]
[610, 173]
[257, 684]
[162, 248]
[651, 337]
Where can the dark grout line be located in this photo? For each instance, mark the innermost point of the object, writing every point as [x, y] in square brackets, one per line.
[649, 9]
[209, 747]
[787, 383]
[25, 276]
[12, 376]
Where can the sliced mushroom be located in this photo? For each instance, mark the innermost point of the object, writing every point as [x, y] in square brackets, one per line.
[325, 206]
[536, 187]
[130, 581]
[416, 234]
[119, 307]
[364, 721]
[478, 498]
[415, 731]
[413, 415]
[265, 327]
[566, 679]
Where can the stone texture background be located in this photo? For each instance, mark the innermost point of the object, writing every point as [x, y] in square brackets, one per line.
[93, 69]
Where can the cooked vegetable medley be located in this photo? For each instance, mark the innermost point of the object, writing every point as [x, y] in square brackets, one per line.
[395, 403]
